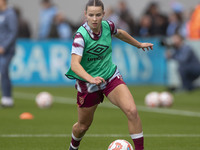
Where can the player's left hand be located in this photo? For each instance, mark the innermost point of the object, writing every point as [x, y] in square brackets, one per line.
[146, 46]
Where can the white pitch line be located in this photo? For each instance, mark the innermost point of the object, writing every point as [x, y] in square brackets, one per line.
[99, 135]
[68, 100]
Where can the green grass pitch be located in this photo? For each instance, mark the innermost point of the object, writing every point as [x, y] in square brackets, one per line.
[174, 128]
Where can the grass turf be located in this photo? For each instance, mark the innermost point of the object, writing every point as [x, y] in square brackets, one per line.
[51, 128]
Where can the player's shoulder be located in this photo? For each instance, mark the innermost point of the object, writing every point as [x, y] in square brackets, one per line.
[78, 37]
[112, 27]
[110, 22]
[79, 33]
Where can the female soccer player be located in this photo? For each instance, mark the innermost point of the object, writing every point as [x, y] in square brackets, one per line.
[96, 75]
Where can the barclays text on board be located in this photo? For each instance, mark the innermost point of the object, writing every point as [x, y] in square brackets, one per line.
[46, 62]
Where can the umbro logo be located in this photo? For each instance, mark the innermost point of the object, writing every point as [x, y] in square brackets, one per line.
[98, 49]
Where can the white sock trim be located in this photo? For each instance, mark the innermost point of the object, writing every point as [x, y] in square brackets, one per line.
[73, 146]
[137, 136]
[75, 138]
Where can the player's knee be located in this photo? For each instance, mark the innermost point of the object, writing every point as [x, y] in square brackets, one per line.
[84, 127]
[81, 127]
[131, 113]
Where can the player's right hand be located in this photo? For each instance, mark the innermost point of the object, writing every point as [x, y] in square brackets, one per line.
[97, 80]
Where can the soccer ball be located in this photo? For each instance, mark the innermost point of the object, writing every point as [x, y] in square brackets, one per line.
[44, 100]
[152, 99]
[120, 145]
[166, 99]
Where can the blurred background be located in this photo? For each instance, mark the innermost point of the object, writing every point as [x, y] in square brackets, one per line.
[73, 10]
[47, 27]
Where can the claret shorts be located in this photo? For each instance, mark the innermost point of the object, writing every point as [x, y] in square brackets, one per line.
[90, 94]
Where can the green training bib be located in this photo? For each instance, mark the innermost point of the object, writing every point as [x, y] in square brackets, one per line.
[97, 54]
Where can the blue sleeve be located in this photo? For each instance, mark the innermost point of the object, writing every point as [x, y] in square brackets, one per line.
[183, 55]
[12, 24]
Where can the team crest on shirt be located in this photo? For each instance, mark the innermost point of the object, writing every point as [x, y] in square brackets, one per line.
[120, 77]
[81, 100]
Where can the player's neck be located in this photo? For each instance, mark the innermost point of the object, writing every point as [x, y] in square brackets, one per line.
[96, 31]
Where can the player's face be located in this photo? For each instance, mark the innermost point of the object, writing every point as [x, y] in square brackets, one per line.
[94, 16]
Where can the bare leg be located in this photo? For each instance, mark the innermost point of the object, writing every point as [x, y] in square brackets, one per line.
[85, 118]
[122, 98]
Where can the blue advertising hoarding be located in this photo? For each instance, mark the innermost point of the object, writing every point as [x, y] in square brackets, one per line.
[46, 62]
[139, 67]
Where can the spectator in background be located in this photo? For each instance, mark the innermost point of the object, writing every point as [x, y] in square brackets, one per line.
[113, 16]
[175, 23]
[8, 36]
[177, 20]
[121, 17]
[153, 10]
[46, 17]
[161, 24]
[158, 20]
[60, 28]
[23, 28]
[144, 29]
[194, 24]
[126, 16]
[185, 14]
[189, 65]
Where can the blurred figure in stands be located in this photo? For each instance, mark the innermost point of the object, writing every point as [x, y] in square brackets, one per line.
[184, 14]
[46, 18]
[126, 16]
[158, 19]
[145, 26]
[121, 17]
[189, 65]
[23, 28]
[161, 23]
[177, 20]
[60, 28]
[175, 23]
[8, 36]
[194, 24]
[114, 16]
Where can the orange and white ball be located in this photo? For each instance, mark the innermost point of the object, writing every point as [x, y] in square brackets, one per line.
[120, 145]
[166, 99]
[159, 99]
[152, 99]
[44, 100]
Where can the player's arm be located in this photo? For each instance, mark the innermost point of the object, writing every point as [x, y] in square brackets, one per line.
[124, 36]
[80, 71]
